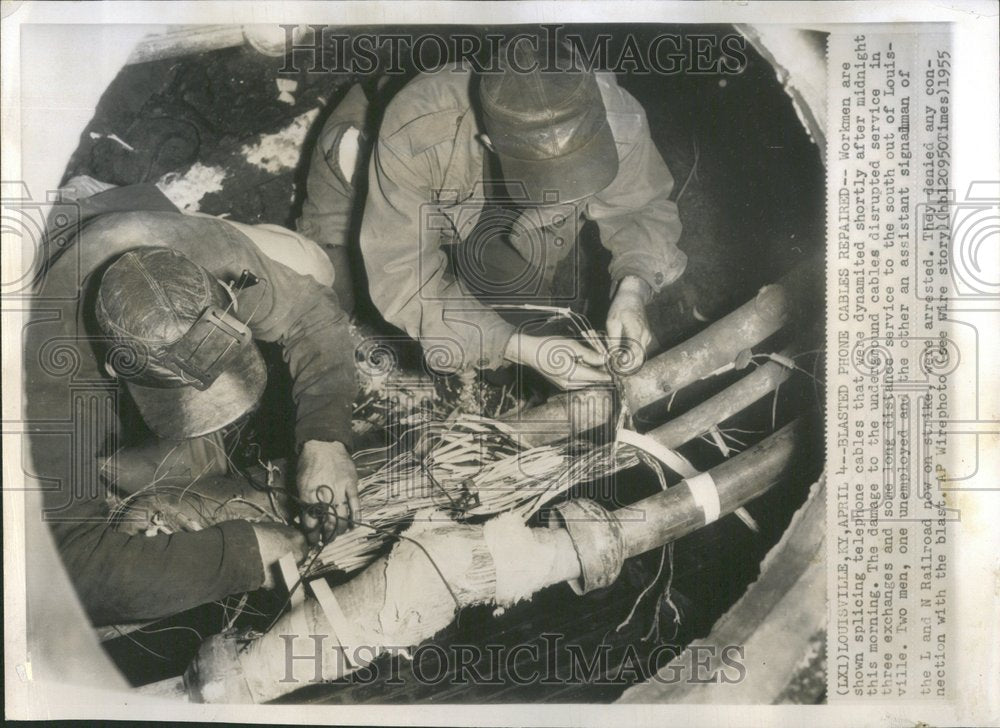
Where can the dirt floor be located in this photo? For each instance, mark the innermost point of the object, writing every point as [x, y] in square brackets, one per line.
[749, 184]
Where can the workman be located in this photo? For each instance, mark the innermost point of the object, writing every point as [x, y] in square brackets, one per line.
[169, 305]
[497, 167]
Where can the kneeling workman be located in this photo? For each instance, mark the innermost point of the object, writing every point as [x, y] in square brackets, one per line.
[170, 305]
[498, 166]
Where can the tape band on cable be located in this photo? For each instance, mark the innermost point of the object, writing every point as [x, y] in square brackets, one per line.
[296, 592]
[343, 633]
[706, 496]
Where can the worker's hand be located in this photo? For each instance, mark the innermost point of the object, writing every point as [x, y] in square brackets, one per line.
[274, 540]
[628, 327]
[326, 475]
[566, 363]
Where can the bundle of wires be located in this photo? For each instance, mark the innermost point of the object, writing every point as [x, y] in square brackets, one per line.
[470, 467]
[465, 469]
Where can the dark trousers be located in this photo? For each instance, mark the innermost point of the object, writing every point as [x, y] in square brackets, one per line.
[330, 211]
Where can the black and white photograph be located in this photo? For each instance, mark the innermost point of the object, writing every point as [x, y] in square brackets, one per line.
[499, 366]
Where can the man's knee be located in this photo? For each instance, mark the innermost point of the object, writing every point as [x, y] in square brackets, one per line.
[351, 110]
[340, 148]
[341, 142]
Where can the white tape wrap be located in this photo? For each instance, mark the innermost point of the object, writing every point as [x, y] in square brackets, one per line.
[706, 495]
[343, 632]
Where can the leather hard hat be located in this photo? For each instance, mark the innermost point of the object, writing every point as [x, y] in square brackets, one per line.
[546, 119]
[190, 365]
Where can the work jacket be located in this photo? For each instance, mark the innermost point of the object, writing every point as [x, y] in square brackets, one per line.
[425, 191]
[71, 413]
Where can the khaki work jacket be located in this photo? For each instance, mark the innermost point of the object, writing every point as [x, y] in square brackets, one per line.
[425, 191]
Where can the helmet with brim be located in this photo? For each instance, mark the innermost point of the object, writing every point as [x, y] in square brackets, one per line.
[546, 119]
[188, 361]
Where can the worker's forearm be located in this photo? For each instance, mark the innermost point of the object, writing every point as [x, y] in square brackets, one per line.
[122, 578]
[632, 285]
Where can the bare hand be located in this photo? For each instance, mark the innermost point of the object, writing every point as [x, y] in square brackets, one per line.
[274, 540]
[628, 328]
[566, 363]
[327, 476]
